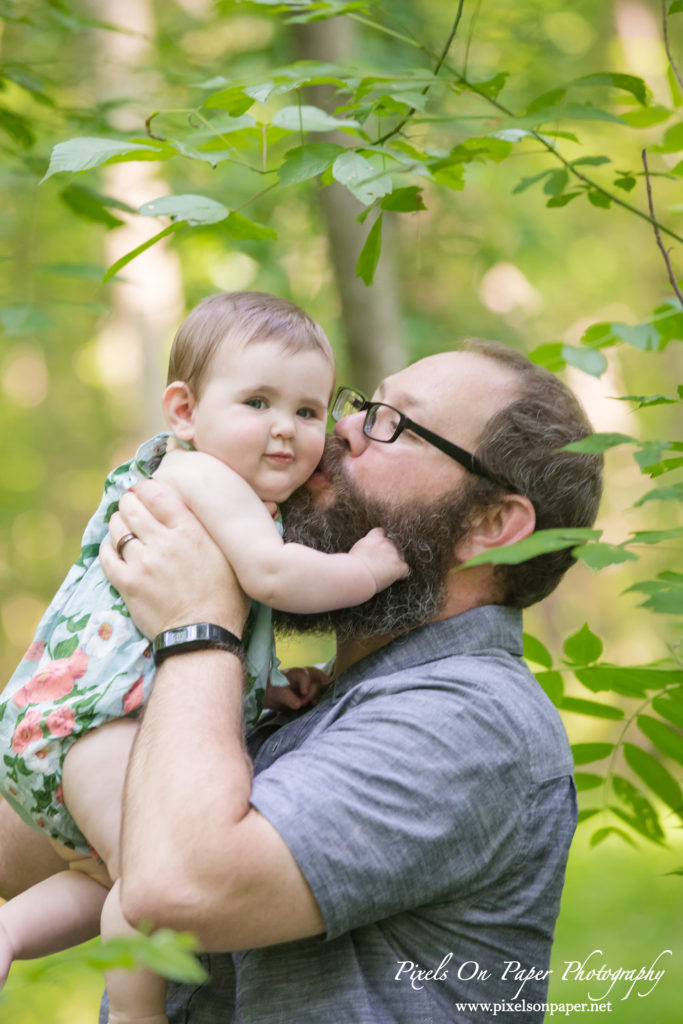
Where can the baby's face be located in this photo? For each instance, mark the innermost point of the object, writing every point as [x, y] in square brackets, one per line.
[263, 411]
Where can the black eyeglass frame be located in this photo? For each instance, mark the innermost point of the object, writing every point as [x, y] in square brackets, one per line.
[464, 458]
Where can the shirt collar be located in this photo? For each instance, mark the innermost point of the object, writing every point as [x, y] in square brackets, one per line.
[490, 626]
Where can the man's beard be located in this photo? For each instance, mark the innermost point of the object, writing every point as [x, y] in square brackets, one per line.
[424, 533]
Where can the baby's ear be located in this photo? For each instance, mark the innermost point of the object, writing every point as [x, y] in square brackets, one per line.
[178, 403]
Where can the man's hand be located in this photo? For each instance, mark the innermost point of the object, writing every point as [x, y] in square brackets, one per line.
[171, 573]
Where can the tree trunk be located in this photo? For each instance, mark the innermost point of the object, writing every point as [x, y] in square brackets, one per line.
[371, 316]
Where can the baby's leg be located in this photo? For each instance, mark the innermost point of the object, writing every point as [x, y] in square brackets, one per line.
[58, 912]
[26, 857]
[134, 996]
[94, 775]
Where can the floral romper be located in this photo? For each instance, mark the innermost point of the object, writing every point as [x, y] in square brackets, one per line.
[87, 665]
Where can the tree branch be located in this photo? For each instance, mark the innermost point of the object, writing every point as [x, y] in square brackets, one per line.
[664, 252]
[444, 53]
[665, 31]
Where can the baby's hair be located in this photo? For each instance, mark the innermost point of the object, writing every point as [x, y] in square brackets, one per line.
[240, 318]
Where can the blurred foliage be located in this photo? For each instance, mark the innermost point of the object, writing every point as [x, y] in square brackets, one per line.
[515, 180]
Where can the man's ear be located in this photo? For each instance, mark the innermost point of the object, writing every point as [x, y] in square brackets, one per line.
[178, 402]
[512, 520]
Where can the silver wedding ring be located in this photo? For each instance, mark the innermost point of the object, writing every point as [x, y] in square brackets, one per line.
[122, 543]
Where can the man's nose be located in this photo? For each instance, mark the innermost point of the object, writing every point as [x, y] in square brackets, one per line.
[351, 430]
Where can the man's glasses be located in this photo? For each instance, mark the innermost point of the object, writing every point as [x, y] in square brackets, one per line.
[384, 423]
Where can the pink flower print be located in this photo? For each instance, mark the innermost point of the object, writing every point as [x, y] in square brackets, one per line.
[59, 795]
[27, 732]
[55, 680]
[35, 651]
[61, 721]
[133, 699]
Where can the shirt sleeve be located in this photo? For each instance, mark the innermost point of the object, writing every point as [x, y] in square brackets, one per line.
[407, 799]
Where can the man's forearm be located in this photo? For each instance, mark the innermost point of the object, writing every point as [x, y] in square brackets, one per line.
[188, 784]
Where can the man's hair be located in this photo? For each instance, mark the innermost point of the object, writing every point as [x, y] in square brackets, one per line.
[522, 445]
[240, 318]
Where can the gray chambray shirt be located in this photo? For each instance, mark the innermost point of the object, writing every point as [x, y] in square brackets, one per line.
[429, 801]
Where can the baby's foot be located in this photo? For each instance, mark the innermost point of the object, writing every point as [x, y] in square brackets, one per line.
[6, 955]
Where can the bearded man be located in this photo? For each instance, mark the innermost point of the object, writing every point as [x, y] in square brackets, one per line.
[395, 853]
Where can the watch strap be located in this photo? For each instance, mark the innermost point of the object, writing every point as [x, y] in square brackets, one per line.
[195, 637]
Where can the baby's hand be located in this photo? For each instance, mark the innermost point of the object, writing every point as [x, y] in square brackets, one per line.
[381, 557]
[305, 686]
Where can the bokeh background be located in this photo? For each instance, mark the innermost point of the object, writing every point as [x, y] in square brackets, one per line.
[82, 362]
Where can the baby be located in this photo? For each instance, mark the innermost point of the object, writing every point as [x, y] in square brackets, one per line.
[250, 380]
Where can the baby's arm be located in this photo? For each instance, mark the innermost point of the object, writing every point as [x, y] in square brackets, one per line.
[287, 576]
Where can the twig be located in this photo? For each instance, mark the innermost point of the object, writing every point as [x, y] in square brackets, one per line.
[463, 81]
[439, 63]
[665, 30]
[658, 236]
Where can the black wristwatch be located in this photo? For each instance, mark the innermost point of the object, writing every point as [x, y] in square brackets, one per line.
[195, 637]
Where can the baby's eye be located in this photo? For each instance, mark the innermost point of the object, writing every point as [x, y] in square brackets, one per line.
[307, 413]
[256, 403]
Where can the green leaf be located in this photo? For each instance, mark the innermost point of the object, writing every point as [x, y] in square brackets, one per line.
[670, 705]
[369, 257]
[587, 813]
[404, 200]
[643, 817]
[305, 162]
[663, 736]
[585, 780]
[599, 555]
[234, 99]
[646, 117]
[603, 833]
[552, 684]
[88, 205]
[360, 177]
[591, 707]
[115, 267]
[597, 443]
[23, 319]
[65, 648]
[672, 141]
[644, 401]
[563, 200]
[666, 594]
[165, 952]
[631, 681]
[310, 119]
[645, 337]
[599, 199]
[655, 775]
[241, 228]
[656, 536]
[535, 651]
[556, 182]
[537, 544]
[189, 208]
[627, 182]
[550, 356]
[18, 128]
[586, 753]
[591, 161]
[629, 83]
[676, 7]
[588, 360]
[82, 154]
[526, 183]
[583, 647]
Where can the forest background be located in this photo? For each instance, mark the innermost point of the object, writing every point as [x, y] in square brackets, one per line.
[412, 174]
